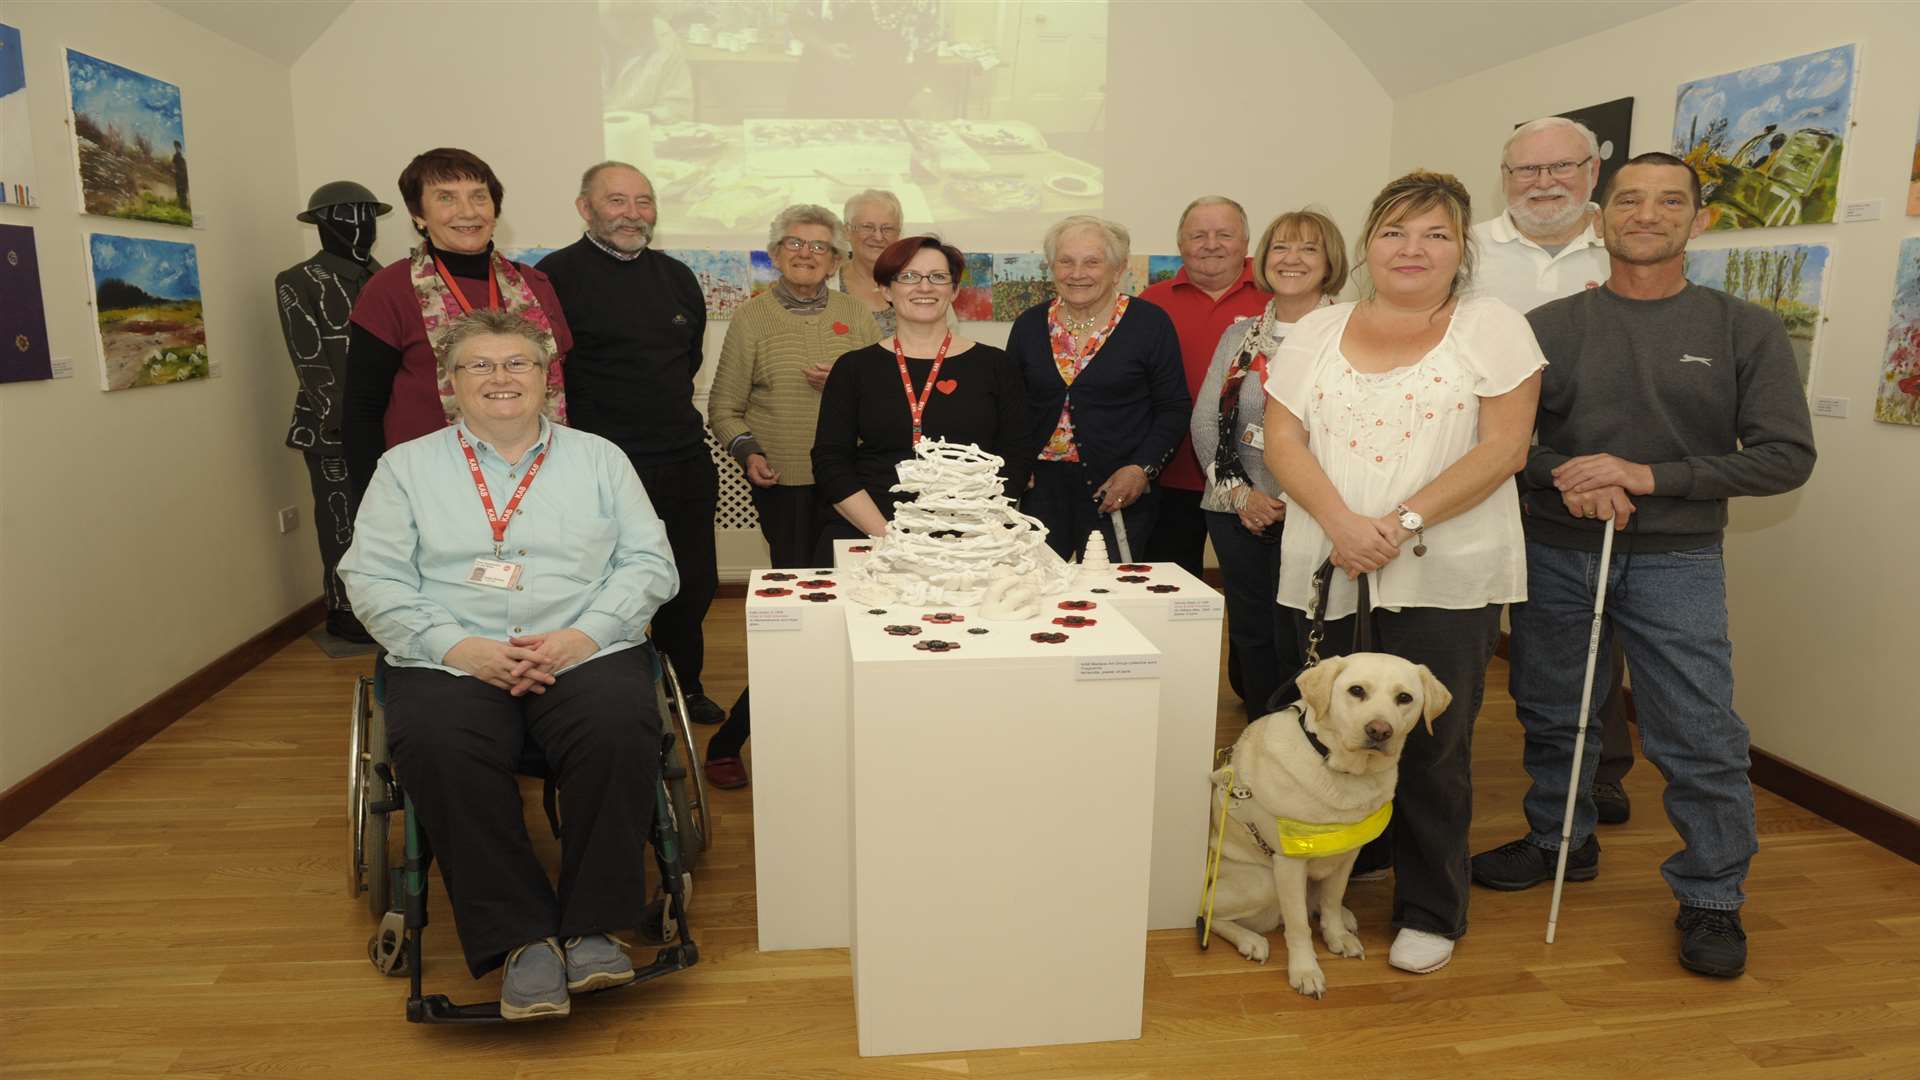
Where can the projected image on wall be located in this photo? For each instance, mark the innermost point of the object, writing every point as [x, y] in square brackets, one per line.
[965, 109]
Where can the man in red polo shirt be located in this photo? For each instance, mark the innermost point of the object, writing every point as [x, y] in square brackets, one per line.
[1213, 289]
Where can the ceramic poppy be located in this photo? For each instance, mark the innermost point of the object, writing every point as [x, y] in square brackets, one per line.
[1077, 605]
[1163, 588]
[1131, 579]
[770, 593]
[902, 631]
[778, 577]
[936, 645]
[1047, 639]
[943, 618]
[1134, 568]
[817, 583]
[817, 597]
[1075, 622]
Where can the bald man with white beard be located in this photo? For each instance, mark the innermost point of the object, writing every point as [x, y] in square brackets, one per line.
[1546, 246]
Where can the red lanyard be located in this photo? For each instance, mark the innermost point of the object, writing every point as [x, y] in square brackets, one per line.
[918, 405]
[466, 306]
[499, 521]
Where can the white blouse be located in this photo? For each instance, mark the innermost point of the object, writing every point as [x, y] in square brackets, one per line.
[1381, 438]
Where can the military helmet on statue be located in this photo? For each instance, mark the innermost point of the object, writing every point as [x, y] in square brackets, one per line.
[340, 193]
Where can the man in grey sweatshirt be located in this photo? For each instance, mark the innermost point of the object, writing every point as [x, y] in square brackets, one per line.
[1661, 401]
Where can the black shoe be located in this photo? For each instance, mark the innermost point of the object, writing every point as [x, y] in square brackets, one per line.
[1523, 864]
[1712, 942]
[343, 625]
[702, 709]
[1612, 803]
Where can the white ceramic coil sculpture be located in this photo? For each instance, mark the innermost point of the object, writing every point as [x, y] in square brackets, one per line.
[957, 532]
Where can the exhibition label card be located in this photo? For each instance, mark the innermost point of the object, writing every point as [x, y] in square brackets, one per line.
[1092, 668]
[1196, 607]
[773, 618]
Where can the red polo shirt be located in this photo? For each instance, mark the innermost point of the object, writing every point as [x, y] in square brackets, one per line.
[1199, 319]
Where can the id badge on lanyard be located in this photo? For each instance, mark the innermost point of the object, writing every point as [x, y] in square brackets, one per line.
[498, 572]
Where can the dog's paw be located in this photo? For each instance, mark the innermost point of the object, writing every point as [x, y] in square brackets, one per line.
[1346, 918]
[1256, 948]
[1307, 978]
[1345, 944]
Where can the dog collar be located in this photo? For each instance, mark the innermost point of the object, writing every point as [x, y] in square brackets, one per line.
[1312, 739]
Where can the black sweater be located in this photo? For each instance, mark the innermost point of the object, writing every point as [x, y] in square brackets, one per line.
[637, 328]
[1130, 405]
[866, 429]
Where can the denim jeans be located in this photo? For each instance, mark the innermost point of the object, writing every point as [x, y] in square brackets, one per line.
[1670, 612]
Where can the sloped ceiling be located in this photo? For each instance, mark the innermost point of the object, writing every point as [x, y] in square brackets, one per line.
[281, 30]
[1412, 45]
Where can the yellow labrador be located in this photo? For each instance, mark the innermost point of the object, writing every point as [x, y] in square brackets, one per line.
[1358, 709]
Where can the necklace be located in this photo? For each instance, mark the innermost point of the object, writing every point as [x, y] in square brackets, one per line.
[1076, 327]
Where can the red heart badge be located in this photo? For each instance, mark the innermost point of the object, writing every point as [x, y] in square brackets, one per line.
[947, 386]
[840, 328]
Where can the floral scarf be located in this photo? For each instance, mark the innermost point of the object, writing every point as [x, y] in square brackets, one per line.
[439, 308]
[1060, 446]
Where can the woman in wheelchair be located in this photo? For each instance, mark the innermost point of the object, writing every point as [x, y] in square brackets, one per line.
[510, 572]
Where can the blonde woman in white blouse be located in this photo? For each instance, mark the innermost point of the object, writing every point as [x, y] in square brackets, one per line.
[1396, 425]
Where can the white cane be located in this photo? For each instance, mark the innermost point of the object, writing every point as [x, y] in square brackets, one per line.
[1580, 739]
[1120, 535]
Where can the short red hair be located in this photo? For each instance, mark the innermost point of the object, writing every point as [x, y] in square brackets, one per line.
[901, 252]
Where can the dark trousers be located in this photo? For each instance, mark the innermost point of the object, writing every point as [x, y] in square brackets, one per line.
[685, 494]
[790, 519]
[1179, 532]
[1062, 498]
[1616, 743]
[1259, 631]
[1433, 805]
[457, 742]
[332, 523]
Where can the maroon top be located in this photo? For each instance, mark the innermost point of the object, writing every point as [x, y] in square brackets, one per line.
[388, 309]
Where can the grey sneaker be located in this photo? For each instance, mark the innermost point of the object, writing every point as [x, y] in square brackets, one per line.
[535, 984]
[596, 962]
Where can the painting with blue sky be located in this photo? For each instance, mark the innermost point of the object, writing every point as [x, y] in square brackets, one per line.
[1789, 280]
[1767, 141]
[16, 131]
[130, 138]
[147, 303]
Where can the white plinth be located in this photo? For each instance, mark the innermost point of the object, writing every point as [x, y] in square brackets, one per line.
[797, 667]
[1181, 615]
[850, 553]
[1002, 823]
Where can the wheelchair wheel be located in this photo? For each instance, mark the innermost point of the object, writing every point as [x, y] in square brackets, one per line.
[685, 788]
[369, 862]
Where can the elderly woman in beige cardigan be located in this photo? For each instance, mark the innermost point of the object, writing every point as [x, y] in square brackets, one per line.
[765, 403]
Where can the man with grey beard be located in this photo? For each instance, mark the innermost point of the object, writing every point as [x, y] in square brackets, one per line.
[1543, 248]
[638, 319]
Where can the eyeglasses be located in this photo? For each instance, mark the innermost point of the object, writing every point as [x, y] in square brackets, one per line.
[914, 277]
[868, 228]
[794, 243]
[519, 365]
[1559, 170]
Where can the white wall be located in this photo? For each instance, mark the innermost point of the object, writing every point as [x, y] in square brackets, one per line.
[137, 527]
[1821, 582]
[1260, 102]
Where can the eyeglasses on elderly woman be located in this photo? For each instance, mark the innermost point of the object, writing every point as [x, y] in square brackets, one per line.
[794, 243]
[519, 365]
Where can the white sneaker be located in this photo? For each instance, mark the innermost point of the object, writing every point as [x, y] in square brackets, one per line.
[1419, 952]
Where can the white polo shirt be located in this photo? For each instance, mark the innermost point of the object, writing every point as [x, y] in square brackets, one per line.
[1521, 273]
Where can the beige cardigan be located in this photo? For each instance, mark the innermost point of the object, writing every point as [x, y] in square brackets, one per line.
[760, 398]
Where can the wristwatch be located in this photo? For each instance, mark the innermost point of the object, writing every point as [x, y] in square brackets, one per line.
[1411, 521]
[1152, 471]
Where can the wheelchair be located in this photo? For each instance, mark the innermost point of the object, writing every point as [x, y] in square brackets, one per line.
[396, 890]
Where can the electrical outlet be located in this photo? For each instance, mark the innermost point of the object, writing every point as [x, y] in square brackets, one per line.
[289, 518]
[1830, 406]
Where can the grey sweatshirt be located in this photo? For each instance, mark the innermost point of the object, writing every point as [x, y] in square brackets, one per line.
[1701, 386]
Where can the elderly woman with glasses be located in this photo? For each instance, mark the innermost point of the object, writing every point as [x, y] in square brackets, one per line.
[512, 611]
[765, 403]
[874, 220]
[1107, 399]
[925, 381]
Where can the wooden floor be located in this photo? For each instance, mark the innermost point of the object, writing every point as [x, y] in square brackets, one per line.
[185, 915]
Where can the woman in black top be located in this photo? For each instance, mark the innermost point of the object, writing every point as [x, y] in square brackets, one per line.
[962, 391]
[1107, 397]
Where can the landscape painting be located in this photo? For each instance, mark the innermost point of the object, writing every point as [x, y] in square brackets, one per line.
[724, 277]
[1019, 282]
[1162, 268]
[973, 298]
[24, 354]
[1789, 280]
[16, 132]
[131, 142]
[764, 273]
[1898, 398]
[1767, 141]
[527, 256]
[147, 302]
[1134, 281]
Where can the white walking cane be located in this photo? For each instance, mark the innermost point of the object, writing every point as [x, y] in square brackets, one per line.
[1120, 535]
[1580, 739]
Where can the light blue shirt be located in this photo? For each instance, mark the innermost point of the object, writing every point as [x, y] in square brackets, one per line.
[592, 552]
